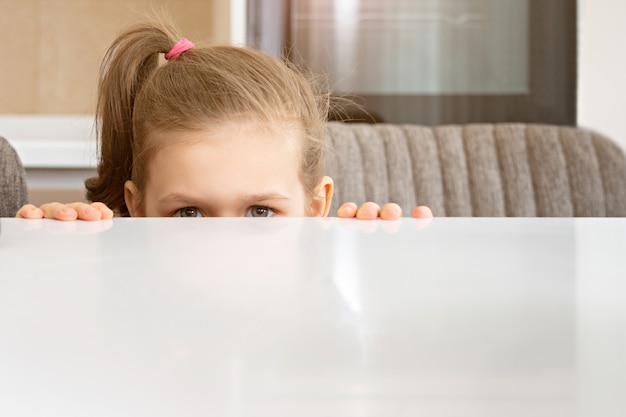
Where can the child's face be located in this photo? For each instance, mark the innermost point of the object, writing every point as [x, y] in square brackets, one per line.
[233, 171]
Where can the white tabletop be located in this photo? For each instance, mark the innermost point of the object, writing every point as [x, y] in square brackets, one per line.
[313, 317]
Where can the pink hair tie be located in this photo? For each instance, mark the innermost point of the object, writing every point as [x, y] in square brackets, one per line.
[180, 47]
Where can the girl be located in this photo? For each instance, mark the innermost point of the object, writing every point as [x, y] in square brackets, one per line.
[212, 131]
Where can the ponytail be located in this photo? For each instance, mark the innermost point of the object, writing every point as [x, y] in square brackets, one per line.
[128, 64]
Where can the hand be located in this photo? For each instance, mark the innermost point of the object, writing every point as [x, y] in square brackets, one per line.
[372, 211]
[66, 212]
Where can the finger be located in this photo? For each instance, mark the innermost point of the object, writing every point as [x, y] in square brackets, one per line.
[107, 213]
[368, 211]
[347, 210]
[58, 211]
[391, 211]
[422, 212]
[29, 211]
[91, 212]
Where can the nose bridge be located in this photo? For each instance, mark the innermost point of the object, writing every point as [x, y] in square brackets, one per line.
[221, 214]
[225, 211]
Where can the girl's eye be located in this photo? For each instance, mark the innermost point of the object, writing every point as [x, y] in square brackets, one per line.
[260, 211]
[188, 212]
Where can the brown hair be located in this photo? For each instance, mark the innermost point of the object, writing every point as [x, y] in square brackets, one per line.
[203, 86]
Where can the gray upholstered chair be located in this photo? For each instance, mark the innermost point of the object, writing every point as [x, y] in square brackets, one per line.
[478, 169]
[13, 191]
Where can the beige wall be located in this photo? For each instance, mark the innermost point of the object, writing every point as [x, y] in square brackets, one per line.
[51, 49]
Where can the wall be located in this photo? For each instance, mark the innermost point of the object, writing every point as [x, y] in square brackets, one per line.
[55, 46]
[602, 67]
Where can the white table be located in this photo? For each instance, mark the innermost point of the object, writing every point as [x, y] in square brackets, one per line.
[313, 317]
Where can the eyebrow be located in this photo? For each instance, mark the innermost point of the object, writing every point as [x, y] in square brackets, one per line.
[270, 196]
[246, 198]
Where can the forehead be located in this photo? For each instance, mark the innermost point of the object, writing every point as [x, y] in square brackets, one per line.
[235, 155]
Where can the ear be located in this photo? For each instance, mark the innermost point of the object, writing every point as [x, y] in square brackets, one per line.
[133, 200]
[320, 205]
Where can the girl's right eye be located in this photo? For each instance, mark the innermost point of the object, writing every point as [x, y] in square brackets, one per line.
[188, 212]
[260, 211]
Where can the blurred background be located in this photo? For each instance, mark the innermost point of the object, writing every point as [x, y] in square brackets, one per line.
[406, 61]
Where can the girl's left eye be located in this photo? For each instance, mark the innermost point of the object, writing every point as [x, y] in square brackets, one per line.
[260, 211]
[188, 212]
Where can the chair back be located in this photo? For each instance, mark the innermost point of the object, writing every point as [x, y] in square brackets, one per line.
[489, 170]
[13, 189]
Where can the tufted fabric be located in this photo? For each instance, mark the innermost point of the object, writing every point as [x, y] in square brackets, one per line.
[13, 191]
[478, 169]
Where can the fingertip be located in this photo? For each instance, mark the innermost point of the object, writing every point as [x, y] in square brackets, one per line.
[36, 213]
[29, 211]
[422, 212]
[368, 212]
[391, 211]
[90, 214]
[347, 210]
[65, 213]
[107, 214]
[20, 213]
